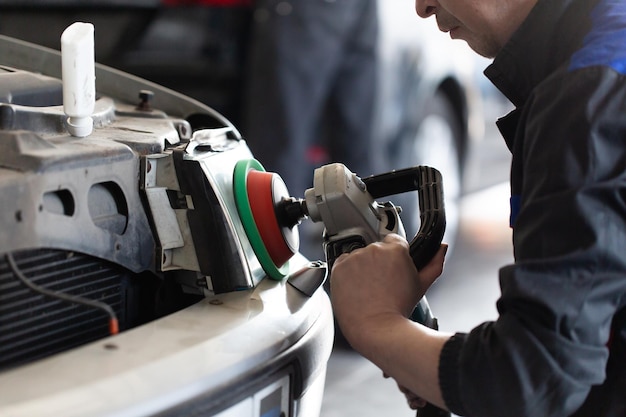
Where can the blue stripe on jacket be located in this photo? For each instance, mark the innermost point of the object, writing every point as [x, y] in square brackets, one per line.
[605, 44]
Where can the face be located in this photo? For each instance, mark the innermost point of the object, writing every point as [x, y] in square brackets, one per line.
[486, 25]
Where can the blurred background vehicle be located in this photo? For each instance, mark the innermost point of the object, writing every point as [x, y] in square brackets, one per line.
[429, 108]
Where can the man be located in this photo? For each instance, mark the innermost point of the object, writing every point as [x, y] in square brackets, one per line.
[558, 347]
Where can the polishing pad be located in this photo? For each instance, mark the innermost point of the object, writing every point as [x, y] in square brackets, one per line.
[256, 194]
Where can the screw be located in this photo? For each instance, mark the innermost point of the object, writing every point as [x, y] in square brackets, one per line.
[145, 97]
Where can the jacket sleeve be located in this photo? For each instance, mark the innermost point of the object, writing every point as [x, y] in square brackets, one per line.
[548, 346]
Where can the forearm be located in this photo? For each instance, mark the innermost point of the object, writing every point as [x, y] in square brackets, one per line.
[406, 351]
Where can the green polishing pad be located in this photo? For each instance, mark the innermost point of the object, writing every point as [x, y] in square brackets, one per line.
[247, 219]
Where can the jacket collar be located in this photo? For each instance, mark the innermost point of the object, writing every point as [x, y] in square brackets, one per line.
[551, 33]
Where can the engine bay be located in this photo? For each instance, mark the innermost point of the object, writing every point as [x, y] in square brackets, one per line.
[138, 215]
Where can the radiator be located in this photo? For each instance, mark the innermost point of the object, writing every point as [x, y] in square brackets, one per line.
[33, 326]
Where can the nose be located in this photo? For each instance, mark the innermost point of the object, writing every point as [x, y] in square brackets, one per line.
[425, 8]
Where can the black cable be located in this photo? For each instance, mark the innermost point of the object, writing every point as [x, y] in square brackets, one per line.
[75, 299]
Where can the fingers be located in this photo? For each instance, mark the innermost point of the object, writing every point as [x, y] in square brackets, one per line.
[396, 239]
[378, 281]
[412, 399]
[389, 258]
[434, 268]
[392, 238]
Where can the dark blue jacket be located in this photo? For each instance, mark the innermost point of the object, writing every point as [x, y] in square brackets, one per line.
[558, 347]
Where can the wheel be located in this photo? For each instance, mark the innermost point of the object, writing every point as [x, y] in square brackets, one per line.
[434, 141]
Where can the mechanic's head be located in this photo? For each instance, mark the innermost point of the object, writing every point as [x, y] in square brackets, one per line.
[486, 25]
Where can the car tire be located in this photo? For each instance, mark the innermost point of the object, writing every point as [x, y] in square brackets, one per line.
[434, 141]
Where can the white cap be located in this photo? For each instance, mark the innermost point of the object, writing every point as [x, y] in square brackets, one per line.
[79, 80]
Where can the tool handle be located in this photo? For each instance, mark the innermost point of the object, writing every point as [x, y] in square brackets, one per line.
[429, 185]
[427, 241]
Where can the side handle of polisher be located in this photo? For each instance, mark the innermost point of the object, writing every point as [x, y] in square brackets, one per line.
[429, 185]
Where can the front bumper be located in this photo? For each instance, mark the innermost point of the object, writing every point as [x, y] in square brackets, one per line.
[217, 356]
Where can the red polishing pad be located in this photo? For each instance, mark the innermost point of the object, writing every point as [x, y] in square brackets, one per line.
[265, 190]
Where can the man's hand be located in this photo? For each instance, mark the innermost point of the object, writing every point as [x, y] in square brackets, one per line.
[378, 281]
[373, 291]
